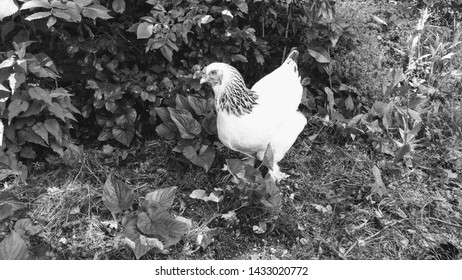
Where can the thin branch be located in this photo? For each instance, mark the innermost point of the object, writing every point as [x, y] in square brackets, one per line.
[289, 15]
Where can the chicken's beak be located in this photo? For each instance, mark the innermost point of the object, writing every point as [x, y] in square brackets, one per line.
[204, 77]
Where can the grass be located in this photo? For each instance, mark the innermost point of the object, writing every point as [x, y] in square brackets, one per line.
[329, 210]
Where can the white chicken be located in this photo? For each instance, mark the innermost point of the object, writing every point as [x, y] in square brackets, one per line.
[250, 119]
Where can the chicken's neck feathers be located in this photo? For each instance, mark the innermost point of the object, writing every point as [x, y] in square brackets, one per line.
[232, 95]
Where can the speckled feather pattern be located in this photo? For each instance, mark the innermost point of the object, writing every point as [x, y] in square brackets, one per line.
[249, 119]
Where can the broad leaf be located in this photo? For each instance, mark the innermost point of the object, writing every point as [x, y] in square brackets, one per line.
[52, 126]
[235, 167]
[7, 63]
[160, 200]
[199, 105]
[39, 93]
[117, 197]
[130, 229]
[404, 150]
[167, 130]
[96, 11]
[36, 4]
[25, 226]
[319, 53]
[9, 203]
[204, 159]
[15, 107]
[123, 133]
[268, 157]
[51, 21]
[128, 118]
[185, 123]
[83, 3]
[4, 173]
[16, 79]
[144, 30]
[162, 225]
[200, 194]
[38, 15]
[9, 7]
[41, 131]
[239, 57]
[118, 6]
[13, 247]
[167, 52]
[209, 123]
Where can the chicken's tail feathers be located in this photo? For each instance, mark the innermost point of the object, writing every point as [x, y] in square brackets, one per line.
[292, 60]
[293, 55]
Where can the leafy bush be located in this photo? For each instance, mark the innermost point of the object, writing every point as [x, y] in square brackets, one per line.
[152, 226]
[34, 115]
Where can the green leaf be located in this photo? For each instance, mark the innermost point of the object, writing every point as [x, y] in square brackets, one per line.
[16, 79]
[56, 147]
[199, 105]
[319, 53]
[38, 15]
[167, 130]
[235, 167]
[128, 118]
[51, 21]
[4, 173]
[185, 123]
[268, 157]
[204, 159]
[209, 123]
[25, 226]
[7, 63]
[144, 30]
[259, 57]
[142, 244]
[167, 52]
[83, 3]
[39, 93]
[36, 4]
[130, 229]
[163, 225]
[52, 126]
[96, 11]
[9, 203]
[9, 7]
[57, 110]
[154, 44]
[123, 133]
[7, 28]
[15, 107]
[28, 135]
[13, 247]
[118, 6]
[73, 154]
[117, 197]
[41, 131]
[61, 14]
[206, 19]
[404, 150]
[163, 114]
[349, 103]
[160, 200]
[239, 57]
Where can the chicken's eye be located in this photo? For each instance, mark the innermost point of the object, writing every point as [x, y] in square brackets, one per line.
[213, 72]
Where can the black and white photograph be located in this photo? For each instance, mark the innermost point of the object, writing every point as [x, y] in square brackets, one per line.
[279, 135]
